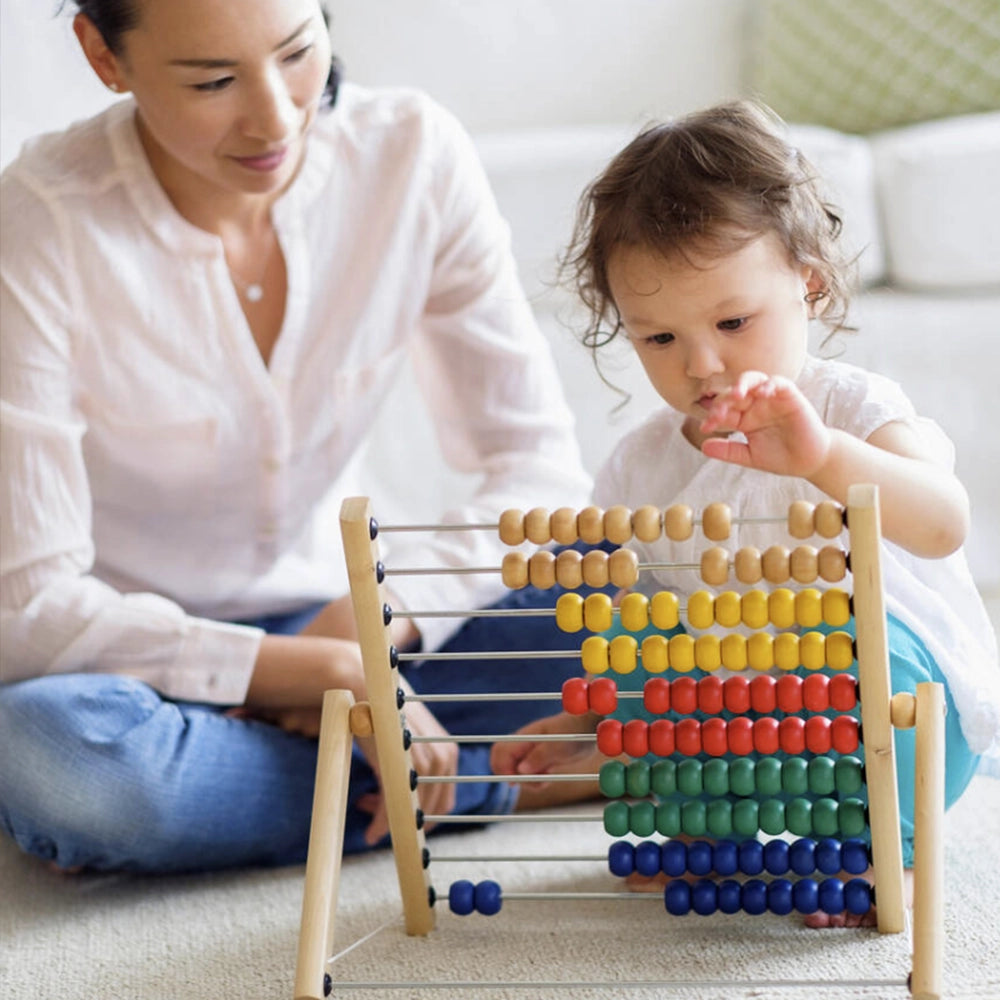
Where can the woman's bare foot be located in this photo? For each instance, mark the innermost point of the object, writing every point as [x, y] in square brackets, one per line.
[869, 919]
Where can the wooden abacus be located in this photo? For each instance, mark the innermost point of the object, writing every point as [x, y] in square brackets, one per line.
[819, 791]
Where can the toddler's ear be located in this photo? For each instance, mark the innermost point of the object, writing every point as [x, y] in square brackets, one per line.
[815, 294]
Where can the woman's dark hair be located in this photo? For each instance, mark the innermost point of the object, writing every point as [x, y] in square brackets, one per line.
[712, 181]
[113, 18]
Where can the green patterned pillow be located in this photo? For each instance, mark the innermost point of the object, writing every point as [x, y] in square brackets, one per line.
[864, 65]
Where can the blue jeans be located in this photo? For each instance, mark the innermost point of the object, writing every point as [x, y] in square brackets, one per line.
[100, 771]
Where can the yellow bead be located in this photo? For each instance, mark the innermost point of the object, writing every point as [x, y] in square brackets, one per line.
[654, 654]
[753, 609]
[786, 651]
[664, 610]
[623, 654]
[839, 650]
[812, 650]
[701, 609]
[734, 651]
[597, 613]
[708, 652]
[634, 611]
[681, 653]
[569, 613]
[760, 651]
[809, 607]
[836, 607]
[595, 654]
[781, 607]
[728, 612]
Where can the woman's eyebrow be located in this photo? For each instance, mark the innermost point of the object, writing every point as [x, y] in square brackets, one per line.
[224, 63]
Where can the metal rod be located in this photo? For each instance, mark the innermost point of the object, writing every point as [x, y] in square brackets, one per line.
[514, 818]
[501, 779]
[510, 738]
[519, 858]
[620, 984]
[504, 696]
[497, 654]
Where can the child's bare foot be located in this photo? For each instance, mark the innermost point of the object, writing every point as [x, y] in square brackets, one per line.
[869, 919]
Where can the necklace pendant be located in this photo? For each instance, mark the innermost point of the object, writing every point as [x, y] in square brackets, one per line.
[254, 293]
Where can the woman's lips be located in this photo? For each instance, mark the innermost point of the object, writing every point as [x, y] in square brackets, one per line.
[264, 163]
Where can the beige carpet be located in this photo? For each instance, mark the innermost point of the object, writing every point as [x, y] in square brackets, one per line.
[234, 935]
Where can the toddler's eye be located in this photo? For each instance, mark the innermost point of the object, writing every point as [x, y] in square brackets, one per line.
[660, 339]
[732, 324]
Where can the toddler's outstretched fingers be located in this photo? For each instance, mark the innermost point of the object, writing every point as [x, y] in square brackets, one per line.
[727, 450]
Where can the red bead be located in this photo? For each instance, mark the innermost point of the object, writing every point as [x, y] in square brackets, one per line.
[844, 734]
[710, 700]
[714, 738]
[656, 696]
[661, 738]
[789, 693]
[609, 737]
[843, 692]
[635, 738]
[603, 695]
[687, 737]
[736, 695]
[818, 734]
[574, 696]
[762, 694]
[684, 695]
[792, 734]
[816, 692]
[765, 735]
[740, 733]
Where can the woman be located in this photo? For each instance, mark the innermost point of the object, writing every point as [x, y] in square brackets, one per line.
[207, 291]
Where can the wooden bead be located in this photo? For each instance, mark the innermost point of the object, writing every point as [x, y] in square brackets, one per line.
[809, 607]
[836, 607]
[774, 564]
[647, 523]
[680, 649]
[803, 564]
[623, 568]
[800, 519]
[839, 650]
[569, 613]
[832, 563]
[747, 565]
[562, 526]
[734, 651]
[760, 651]
[664, 610]
[829, 519]
[716, 521]
[903, 710]
[590, 525]
[359, 718]
[595, 654]
[514, 570]
[623, 654]
[654, 654]
[569, 569]
[701, 609]
[618, 524]
[511, 528]
[536, 526]
[786, 651]
[633, 612]
[727, 609]
[812, 650]
[595, 568]
[753, 609]
[708, 652]
[715, 566]
[781, 607]
[542, 570]
[678, 522]
[597, 613]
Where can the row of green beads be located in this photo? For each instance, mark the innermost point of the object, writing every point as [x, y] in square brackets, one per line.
[720, 818]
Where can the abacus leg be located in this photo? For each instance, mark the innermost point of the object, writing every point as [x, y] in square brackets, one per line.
[326, 840]
[928, 845]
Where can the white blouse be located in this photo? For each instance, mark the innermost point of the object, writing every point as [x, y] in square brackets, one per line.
[160, 481]
[935, 598]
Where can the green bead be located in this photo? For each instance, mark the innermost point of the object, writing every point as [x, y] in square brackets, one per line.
[663, 778]
[825, 822]
[821, 776]
[720, 818]
[798, 817]
[715, 777]
[794, 776]
[616, 819]
[689, 780]
[742, 777]
[745, 817]
[612, 779]
[668, 819]
[851, 815]
[694, 819]
[771, 816]
[637, 779]
[642, 818]
[768, 776]
[849, 775]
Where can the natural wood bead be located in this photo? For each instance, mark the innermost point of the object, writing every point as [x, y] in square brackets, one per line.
[623, 568]
[747, 565]
[512, 527]
[542, 570]
[903, 710]
[569, 569]
[595, 568]
[359, 718]
[716, 521]
[800, 519]
[647, 523]
[678, 522]
[832, 563]
[774, 564]
[562, 526]
[590, 525]
[618, 524]
[829, 519]
[536, 526]
[715, 566]
[514, 570]
[803, 564]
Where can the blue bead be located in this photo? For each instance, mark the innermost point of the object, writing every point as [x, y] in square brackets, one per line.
[831, 895]
[854, 856]
[751, 857]
[647, 858]
[461, 897]
[779, 896]
[621, 858]
[730, 896]
[805, 895]
[802, 856]
[703, 897]
[677, 897]
[857, 896]
[754, 896]
[699, 857]
[488, 898]
[828, 856]
[674, 858]
[776, 857]
[726, 858]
